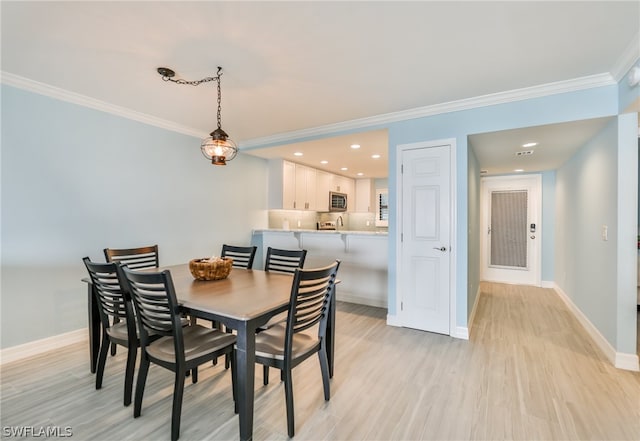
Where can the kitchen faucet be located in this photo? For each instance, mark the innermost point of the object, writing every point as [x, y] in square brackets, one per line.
[339, 222]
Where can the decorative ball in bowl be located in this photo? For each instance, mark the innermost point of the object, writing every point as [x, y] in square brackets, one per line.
[210, 269]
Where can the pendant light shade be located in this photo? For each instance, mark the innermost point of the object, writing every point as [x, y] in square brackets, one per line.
[217, 148]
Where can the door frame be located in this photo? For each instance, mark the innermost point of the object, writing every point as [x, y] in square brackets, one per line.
[454, 331]
[484, 220]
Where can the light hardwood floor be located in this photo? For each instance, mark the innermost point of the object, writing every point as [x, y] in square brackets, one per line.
[529, 372]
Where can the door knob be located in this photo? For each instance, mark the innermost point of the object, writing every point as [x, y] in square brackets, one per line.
[440, 248]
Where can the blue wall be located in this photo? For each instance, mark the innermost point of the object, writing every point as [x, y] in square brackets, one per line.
[77, 180]
[591, 103]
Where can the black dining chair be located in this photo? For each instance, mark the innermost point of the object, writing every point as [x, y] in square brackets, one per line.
[134, 258]
[242, 256]
[117, 319]
[286, 345]
[177, 348]
[282, 261]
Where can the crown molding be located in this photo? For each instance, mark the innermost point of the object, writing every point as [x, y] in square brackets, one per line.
[330, 129]
[543, 90]
[82, 100]
[628, 58]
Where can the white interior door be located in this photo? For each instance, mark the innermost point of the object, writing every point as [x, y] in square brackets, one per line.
[511, 231]
[425, 247]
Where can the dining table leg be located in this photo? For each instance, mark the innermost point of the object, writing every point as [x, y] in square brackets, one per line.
[245, 367]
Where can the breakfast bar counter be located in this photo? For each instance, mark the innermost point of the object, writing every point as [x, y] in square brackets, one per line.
[364, 256]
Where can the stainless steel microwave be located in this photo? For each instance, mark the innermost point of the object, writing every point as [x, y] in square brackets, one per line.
[337, 201]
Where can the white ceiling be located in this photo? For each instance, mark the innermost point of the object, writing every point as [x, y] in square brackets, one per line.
[556, 143]
[338, 153]
[290, 66]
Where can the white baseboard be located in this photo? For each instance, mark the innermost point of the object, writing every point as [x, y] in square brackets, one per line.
[472, 316]
[392, 320]
[620, 360]
[548, 284]
[350, 298]
[37, 347]
[461, 332]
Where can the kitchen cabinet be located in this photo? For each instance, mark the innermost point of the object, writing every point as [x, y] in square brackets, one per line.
[324, 184]
[305, 185]
[365, 196]
[299, 187]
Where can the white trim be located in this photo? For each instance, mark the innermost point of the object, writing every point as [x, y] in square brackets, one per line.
[92, 103]
[588, 82]
[41, 346]
[392, 320]
[548, 284]
[349, 298]
[461, 332]
[472, 316]
[453, 198]
[627, 59]
[543, 90]
[620, 360]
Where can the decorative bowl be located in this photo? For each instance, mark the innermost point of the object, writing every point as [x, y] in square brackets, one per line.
[206, 269]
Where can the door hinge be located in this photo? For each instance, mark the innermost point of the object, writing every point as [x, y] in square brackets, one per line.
[401, 237]
[401, 168]
[401, 306]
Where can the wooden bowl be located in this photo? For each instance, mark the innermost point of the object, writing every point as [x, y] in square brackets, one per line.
[203, 269]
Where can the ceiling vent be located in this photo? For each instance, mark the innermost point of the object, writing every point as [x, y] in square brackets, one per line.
[525, 153]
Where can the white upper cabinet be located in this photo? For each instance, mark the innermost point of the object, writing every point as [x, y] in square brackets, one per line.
[305, 188]
[299, 187]
[365, 196]
[324, 184]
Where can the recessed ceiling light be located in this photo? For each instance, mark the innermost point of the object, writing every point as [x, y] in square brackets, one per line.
[355, 146]
[519, 170]
[529, 144]
[344, 169]
[376, 156]
[360, 174]
[324, 162]
[297, 154]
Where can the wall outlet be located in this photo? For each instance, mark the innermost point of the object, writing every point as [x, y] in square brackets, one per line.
[368, 223]
[299, 223]
[605, 233]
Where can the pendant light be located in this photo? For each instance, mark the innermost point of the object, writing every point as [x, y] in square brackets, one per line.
[217, 148]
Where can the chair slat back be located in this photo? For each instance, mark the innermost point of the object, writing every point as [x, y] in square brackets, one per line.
[310, 296]
[153, 301]
[242, 256]
[284, 261]
[157, 308]
[110, 297]
[134, 258]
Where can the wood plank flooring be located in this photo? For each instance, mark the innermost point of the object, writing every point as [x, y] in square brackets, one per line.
[529, 372]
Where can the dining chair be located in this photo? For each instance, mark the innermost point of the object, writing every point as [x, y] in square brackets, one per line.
[178, 349]
[282, 261]
[286, 345]
[134, 258]
[242, 256]
[117, 319]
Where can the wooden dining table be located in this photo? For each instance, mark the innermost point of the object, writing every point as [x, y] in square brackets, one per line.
[244, 301]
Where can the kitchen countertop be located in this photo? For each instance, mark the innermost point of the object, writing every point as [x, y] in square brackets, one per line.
[346, 232]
